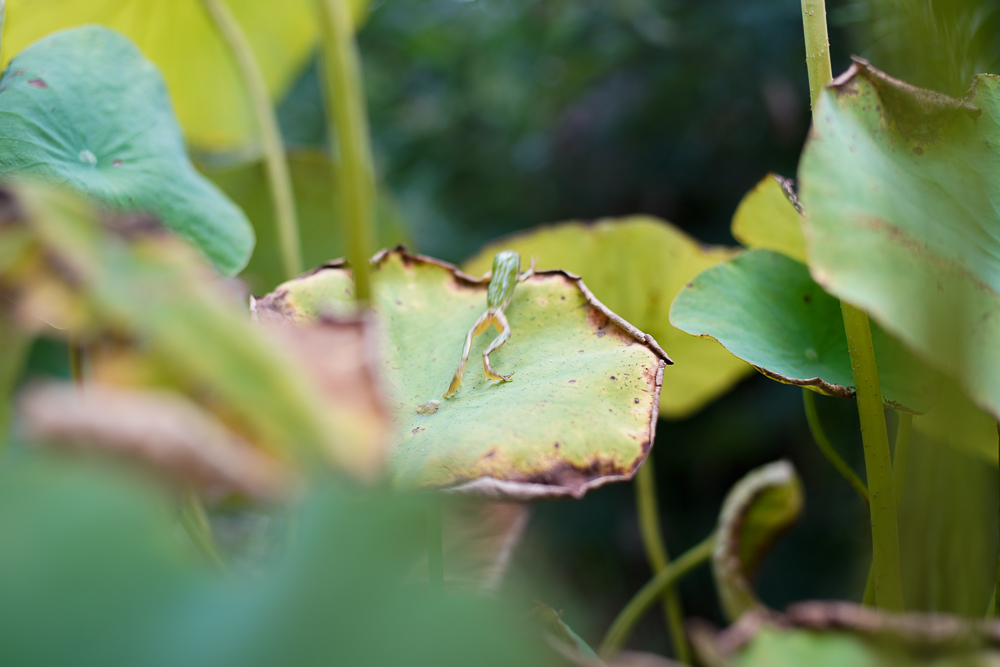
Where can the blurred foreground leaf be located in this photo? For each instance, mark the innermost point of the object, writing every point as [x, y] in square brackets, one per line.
[956, 421]
[580, 411]
[90, 557]
[765, 308]
[759, 508]
[636, 266]
[132, 280]
[84, 109]
[899, 187]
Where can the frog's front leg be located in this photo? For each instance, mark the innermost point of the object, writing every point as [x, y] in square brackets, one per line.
[481, 325]
[500, 321]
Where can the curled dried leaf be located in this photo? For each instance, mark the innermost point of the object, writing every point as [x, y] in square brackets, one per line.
[162, 429]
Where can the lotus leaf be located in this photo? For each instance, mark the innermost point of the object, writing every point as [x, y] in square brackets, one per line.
[201, 74]
[636, 266]
[900, 193]
[85, 109]
[769, 217]
[759, 508]
[579, 412]
[765, 308]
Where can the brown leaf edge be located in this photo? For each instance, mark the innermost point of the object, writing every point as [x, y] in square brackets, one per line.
[490, 487]
[916, 630]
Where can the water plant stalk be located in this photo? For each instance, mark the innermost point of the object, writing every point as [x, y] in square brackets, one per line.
[819, 435]
[901, 454]
[347, 124]
[275, 160]
[875, 438]
[656, 553]
[647, 596]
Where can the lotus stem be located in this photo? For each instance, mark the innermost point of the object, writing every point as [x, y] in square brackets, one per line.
[656, 553]
[275, 160]
[347, 123]
[647, 596]
[812, 417]
[878, 461]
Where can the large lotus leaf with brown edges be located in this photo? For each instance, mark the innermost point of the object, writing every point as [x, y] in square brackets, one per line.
[579, 412]
[900, 191]
[636, 266]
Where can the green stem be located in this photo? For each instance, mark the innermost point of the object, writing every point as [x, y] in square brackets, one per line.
[195, 521]
[812, 417]
[435, 551]
[817, 48]
[996, 590]
[656, 553]
[275, 161]
[868, 598]
[647, 596]
[878, 462]
[901, 454]
[347, 122]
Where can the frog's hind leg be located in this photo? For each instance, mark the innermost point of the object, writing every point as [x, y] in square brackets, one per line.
[500, 321]
[481, 325]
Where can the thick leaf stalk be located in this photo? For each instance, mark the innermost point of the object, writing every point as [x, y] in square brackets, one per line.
[275, 160]
[878, 461]
[656, 553]
[347, 120]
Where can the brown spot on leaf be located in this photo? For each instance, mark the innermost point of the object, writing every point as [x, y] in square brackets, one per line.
[37, 83]
[806, 298]
[418, 430]
[917, 150]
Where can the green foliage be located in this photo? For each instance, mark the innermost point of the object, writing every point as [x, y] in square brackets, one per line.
[83, 108]
[636, 266]
[764, 308]
[767, 217]
[578, 412]
[757, 511]
[146, 285]
[895, 182]
[91, 557]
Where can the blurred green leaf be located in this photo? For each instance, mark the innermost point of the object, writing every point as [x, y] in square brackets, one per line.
[759, 508]
[83, 108]
[91, 557]
[578, 413]
[956, 421]
[899, 189]
[139, 282]
[206, 87]
[765, 308]
[947, 527]
[636, 266]
[320, 229]
[564, 635]
[767, 217]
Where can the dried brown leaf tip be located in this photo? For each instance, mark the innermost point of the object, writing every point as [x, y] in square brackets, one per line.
[160, 429]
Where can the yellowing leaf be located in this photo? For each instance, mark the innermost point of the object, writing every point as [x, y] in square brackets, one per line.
[579, 412]
[636, 266]
[768, 217]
